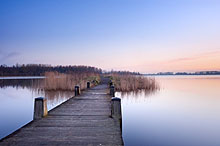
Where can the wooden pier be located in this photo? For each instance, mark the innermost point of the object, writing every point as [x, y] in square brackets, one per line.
[85, 119]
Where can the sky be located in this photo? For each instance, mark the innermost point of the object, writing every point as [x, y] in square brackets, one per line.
[147, 36]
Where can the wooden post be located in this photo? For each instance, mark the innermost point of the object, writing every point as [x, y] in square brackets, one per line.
[112, 90]
[88, 84]
[116, 109]
[110, 84]
[40, 107]
[77, 90]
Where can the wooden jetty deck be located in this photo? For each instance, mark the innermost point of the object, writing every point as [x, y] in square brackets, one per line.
[82, 120]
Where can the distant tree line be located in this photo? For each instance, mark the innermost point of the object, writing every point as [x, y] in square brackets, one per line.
[123, 72]
[40, 69]
[187, 73]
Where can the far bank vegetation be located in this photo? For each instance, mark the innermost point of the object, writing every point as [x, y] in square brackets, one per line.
[61, 81]
[127, 83]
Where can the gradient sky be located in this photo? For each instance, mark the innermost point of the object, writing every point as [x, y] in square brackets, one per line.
[136, 35]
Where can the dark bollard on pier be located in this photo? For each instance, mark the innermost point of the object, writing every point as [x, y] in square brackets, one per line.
[40, 107]
[77, 90]
[88, 85]
[110, 84]
[116, 109]
[112, 90]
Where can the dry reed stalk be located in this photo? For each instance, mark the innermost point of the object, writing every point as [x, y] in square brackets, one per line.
[127, 83]
[60, 81]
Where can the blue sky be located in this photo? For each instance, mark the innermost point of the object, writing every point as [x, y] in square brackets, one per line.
[135, 35]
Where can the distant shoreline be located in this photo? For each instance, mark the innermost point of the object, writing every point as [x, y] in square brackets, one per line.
[180, 75]
[20, 77]
[43, 77]
[187, 73]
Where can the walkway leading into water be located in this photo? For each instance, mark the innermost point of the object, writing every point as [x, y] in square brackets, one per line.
[82, 120]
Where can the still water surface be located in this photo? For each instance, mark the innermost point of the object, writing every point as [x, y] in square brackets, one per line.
[184, 112]
[17, 101]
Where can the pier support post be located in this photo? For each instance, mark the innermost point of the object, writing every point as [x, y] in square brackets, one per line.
[77, 90]
[40, 107]
[116, 109]
[112, 90]
[88, 84]
[110, 84]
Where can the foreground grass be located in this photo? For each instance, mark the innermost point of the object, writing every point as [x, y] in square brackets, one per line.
[60, 81]
[127, 83]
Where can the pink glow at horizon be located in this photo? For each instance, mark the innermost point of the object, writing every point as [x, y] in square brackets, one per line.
[200, 62]
[143, 36]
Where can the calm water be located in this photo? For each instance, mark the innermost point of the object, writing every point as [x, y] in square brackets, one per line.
[17, 101]
[184, 112]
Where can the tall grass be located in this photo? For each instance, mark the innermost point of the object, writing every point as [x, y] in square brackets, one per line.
[127, 83]
[60, 81]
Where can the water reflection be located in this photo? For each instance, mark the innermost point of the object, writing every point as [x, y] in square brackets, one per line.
[21, 83]
[184, 112]
[36, 87]
[135, 95]
[54, 98]
[17, 101]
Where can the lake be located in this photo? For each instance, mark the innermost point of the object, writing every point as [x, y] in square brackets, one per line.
[184, 112]
[17, 96]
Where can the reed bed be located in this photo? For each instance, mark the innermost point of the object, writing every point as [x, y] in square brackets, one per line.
[61, 81]
[127, 83]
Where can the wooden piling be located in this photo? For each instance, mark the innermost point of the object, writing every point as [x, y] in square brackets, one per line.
[40, 107]
[116, 107]
[110, 83]
[116, 110]
[77, 90]
[88, 85]
[112, 90]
